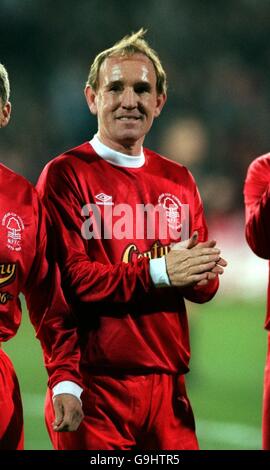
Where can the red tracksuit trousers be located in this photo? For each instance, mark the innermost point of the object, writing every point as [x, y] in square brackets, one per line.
[128, 412]
[11, 414]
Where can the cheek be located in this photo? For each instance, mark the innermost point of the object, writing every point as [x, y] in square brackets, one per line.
[106, 105]
[150, 105]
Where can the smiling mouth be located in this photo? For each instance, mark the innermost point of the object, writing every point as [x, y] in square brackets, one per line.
[128, 118]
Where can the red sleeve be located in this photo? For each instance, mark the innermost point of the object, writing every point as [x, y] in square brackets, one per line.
[257, 204]
[86, 280]
[199, 294]
[48, 310]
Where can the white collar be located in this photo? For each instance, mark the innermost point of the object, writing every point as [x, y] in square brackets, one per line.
[117, 158]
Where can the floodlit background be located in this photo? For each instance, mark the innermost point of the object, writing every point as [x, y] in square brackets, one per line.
[217, 56]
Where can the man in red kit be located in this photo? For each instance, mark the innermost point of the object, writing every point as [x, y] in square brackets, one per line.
[107, 198]
[26, 266]
[257, 203]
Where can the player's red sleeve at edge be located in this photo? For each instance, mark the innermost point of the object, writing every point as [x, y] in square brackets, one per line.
[257, 203]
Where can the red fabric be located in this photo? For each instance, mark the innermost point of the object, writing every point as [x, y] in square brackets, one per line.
[266, 401]
[144, 412]
[11, 414]
[24, 251]
[257, 202]
[125, 322]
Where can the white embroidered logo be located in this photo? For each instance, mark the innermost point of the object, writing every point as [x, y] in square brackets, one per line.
[104, 199]
[172, 207]
[15, 227]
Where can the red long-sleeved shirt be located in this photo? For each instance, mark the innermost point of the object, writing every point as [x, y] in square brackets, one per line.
[257, 202]
[125, 322]
[27, 266]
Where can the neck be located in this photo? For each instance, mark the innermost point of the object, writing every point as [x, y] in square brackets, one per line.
[130, 148]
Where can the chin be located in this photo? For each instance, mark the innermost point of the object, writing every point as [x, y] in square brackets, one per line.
[130, 141]
[128, 135]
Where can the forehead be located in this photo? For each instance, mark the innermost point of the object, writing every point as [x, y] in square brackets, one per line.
[137, 67]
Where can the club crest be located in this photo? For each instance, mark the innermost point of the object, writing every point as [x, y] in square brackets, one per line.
[14, 229]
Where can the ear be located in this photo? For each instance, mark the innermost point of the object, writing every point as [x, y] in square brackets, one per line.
[161, 100]
[90, 96]
[5, 114]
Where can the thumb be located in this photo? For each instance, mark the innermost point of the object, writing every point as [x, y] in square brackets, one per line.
[187, 244]
[193, 240]
[58, 412]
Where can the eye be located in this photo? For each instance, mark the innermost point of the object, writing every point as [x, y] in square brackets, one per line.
[142, 88]
[115, 87]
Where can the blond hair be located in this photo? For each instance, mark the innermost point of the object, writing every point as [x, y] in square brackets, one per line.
[128, 46]
[4, 85]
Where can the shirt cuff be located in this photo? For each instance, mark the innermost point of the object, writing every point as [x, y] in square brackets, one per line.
[66, 386]
[158, 272]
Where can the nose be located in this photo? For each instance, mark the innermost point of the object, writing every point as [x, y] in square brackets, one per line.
[129, 98]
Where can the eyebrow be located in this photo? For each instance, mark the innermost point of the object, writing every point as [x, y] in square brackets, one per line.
[114, 82]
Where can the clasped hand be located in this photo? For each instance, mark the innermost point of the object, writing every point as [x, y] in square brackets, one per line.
[192, 263]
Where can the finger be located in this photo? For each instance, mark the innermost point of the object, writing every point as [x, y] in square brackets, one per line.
[198, 251]
[71, 420]
[186, 244]
[202, 268]
[222, 262]
[61, 427]
[66, 423]
[203, 260]
[194, 255]
[204, 282]
[200, 279]
[195, 278]
[69, 423]
[192, 279]
[211, 276]
[207, 244]
[217, 270]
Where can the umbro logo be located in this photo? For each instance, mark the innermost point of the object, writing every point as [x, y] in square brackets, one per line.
[104, 199]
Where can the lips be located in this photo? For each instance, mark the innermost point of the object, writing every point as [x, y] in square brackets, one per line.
[128, 118]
